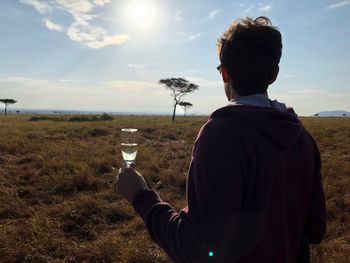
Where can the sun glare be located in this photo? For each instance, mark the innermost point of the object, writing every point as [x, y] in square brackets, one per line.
[141, 13]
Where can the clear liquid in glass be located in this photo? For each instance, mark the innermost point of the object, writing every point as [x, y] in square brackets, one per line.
[129, 152]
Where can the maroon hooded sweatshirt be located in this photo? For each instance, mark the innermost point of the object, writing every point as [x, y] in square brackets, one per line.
[253, 187]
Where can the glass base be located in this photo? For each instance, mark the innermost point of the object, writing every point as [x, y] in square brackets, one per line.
[129, 163]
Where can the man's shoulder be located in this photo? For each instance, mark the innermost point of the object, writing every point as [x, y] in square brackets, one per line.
[219, 128]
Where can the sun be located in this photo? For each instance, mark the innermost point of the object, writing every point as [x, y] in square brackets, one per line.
[141, 13]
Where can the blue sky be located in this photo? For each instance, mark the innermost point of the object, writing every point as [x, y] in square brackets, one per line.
[108, 55]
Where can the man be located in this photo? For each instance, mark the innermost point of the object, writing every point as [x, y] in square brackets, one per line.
[254, 186]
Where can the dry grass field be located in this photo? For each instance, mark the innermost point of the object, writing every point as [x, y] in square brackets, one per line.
[56, 198]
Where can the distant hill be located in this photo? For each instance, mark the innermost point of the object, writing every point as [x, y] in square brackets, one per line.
[336, 113]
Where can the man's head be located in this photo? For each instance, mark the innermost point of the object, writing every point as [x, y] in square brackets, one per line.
[250, 51]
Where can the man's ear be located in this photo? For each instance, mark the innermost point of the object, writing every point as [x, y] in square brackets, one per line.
[225, 75]
[275, 74]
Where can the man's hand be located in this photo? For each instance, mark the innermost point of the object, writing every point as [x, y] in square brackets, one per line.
[129, 182]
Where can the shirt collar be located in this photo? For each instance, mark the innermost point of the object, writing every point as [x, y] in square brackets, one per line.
[257, 100]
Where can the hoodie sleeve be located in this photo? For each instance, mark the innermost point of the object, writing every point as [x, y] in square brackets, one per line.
[202, 231]
[315, 226]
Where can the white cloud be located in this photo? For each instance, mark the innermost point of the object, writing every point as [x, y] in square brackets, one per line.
[25, 81]
[130, 86]
[76, 6]
[257, 9]
[41, 6]
[265, 8]
[209, 96]
[309, 101]
[178, 16]
[85, 34]
[288, 75]
[339, 4]
[108, 41]
[213, 13]
[52, 26]
[195, 36]
[136, 66]
[94, 37]
[101, 2]
[319, 92]
[81, 29]
[83, 19]
[206, 85]
[79, 9]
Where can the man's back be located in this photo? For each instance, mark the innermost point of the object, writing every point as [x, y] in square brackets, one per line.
[257, 170]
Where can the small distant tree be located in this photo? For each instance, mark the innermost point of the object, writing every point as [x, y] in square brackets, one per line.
[179, 87]
[186, 105]
[7, 102]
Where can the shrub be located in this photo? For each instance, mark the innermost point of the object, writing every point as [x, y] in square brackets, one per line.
[101, 166]
[96, 132]
[118, 214]
[47, 118]
[106, 117]
[82, 118]
[62, 183]
[81, 221]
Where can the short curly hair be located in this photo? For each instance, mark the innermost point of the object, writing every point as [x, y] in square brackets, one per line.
[251, 50]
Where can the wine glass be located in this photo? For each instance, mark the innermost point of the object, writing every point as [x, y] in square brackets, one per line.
[129, 141]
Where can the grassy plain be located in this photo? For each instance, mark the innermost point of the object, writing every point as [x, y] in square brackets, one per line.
[56, 198]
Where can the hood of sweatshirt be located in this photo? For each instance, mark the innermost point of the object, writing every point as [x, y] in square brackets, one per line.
[281, 127]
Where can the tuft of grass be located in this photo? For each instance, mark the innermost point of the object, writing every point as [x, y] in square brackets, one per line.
[77, 118]
[62, 183]
[106, 117]
[82, 118]
[95, 132]
[12, 207]
[47, 118]
[119, 213]
[82, 219]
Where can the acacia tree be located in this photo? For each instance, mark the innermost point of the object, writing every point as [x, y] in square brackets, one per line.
[7, 102]
[179, 87]
[186, 105]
